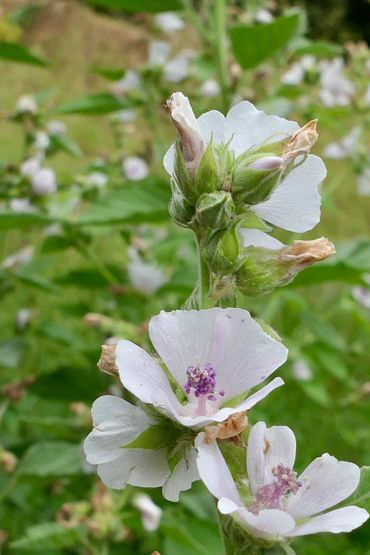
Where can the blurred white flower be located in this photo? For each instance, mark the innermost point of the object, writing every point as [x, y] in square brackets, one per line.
[363, 183]
[301, 370]
[362, 296]
[150, 512]
[42, 140]
[30, 166]
[23, 316]
[145, 277]
[336, 89]
[263, 16]
[44, 182]
[210, 88]
[169, 22]
[56, 128]
[21, 205]
[295, 74]
[20, 257]
[135, 168]
[159, 52]
[53, 229]
[282, 504]
[97, 179]
[366, 98]
[129, 82]
[344, 147]
[178, 68]
[126, 116]
[111, 341]
[26, 104]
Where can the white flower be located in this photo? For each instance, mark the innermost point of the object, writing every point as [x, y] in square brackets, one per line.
[366, 98]
[56, 128]
[20, 205]
[282, 505]
[213, 355]
[26, 104]
[336, 89]
[169, 22]
[301, 370]
[158, 52]
[129, 82]
[21, 257]
[263, 16]
[145, 277]
[42, 140]
[344, 147]
[150, 512]
[23, 316]
[362, 295]
[30, 166]
[44, 182]
[97, 179]
[135, 168]
[294, 204]
[177, 69]
[210, 88]
[295, 74]
[126, 116]
[363, 183]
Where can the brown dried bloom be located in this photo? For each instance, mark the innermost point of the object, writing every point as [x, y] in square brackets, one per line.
[232, 427]
[301, 142]
[107, 361]
[305, 253]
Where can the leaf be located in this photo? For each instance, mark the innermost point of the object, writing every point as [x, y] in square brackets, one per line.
[12, 220]
[131, 203]
[320, 48]
[323, 273]
[52, 458]
[330, 360]
[253, 44]
[109, 73]
[17, 53]
[11, 352]
[316, 392]
[134, 6]
[93, 104]
[361, 497]
[48, 535]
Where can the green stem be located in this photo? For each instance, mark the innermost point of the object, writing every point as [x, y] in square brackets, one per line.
[195, 20]
[220, 47]
[203, 278]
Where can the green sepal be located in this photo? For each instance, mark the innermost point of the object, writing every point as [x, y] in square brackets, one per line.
[223, 249]
[207, 176]
[234, 456]
[250, 220]
[183, 179]
[214, 210]
[158, 436]
[181, 211]
[261, 271]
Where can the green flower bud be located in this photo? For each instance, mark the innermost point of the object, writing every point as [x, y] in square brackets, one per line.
[255, 178]
[223, 250]
[214, 209]
[181, 211]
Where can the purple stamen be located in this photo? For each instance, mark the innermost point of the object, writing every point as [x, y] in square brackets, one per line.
[202, 381]
[272, 496]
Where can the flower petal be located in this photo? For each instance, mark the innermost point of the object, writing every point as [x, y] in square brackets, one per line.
[250, 127]
[268, 524]
[141, 375]
[325, 482]
[214, 471]
[345, 519]
[267, 448]
[257, 238]
[169, 160]
[212, 124]
[182, 476]
[137, 467]
[295, 203]
[242, 354]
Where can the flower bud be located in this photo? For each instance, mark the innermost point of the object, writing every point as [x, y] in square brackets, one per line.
[180, 209]
[191, 140]
[223, 250]
[215, 209]
[254, 180]
[264, 269]
[301, 142]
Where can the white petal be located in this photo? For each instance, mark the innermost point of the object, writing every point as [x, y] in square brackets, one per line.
[110, 407]
[212, 124]
[345, 519]
[257, 238]
[169, 160]
[182, 476]
[226, 506]
[295, 203]
[142, 375]
[268, 524]
[267, 448]
[242, 354]
[137, 467]
[325, 482]
[250, 127]
[214, 471]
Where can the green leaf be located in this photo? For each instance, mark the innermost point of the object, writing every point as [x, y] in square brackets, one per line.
[131, 203]
[253, 44]
[11, 352]
[12, 220]
[109, 73]
[94, 104]
[134, 6]
[320, 48]
[48, 535]
[330, 360]
[16, 53]
[52, 458]
[361, 497]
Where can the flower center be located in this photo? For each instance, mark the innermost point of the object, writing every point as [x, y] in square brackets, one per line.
[272, 496]
[202, 381]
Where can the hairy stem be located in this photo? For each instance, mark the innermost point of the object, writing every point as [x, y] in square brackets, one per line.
[220, 48]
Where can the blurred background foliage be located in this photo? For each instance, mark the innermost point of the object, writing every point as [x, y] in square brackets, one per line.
[105, 245]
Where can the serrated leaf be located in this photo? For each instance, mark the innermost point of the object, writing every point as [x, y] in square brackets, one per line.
[254, 44]
[17, 53]
[94, 104]
[52, 458]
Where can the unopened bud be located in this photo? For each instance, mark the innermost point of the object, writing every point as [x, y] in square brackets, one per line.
[191, 140]
[301, 142]
[253, 180]
[215, 209]
[181, 211]
[223, 250]
[267, 163]
[107, 361]
[93, 320]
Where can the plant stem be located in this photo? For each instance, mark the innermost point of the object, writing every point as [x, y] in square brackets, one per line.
[194, 18]
[220, 46]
